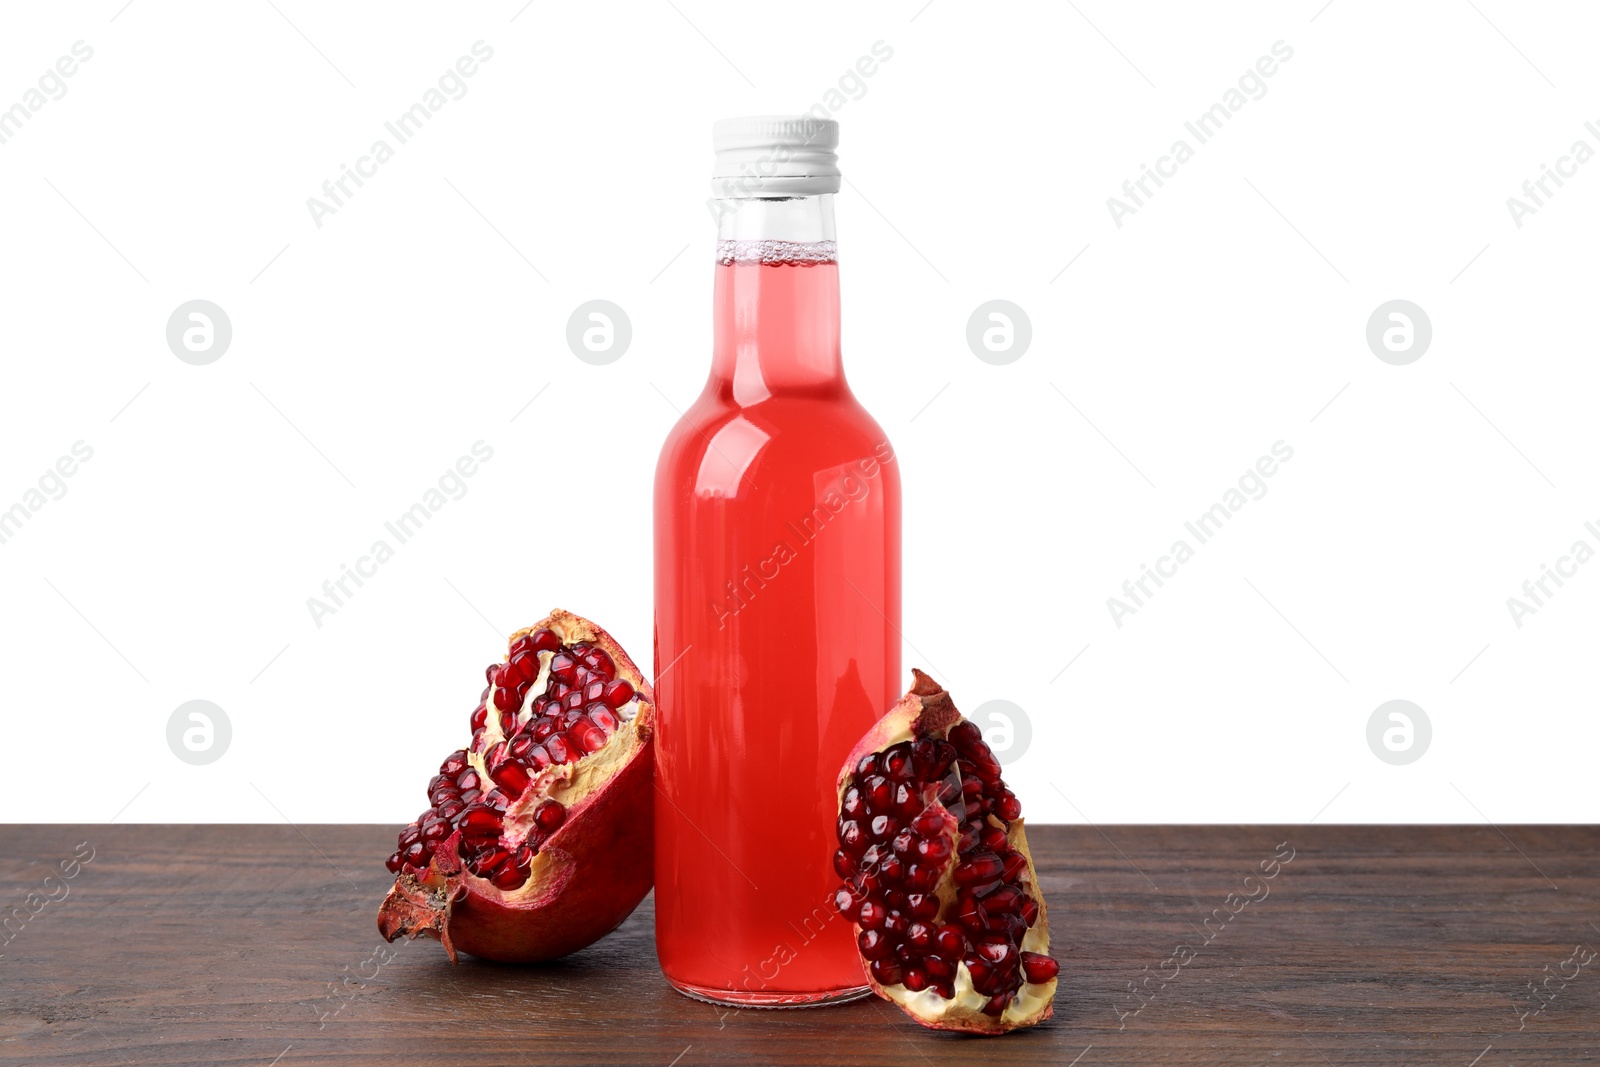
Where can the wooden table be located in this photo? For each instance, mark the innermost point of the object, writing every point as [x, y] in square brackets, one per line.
[180, 945]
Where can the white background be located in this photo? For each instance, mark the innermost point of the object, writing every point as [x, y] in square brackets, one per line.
[1225, 315]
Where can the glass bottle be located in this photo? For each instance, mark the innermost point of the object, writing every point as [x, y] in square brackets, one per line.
[777, 596]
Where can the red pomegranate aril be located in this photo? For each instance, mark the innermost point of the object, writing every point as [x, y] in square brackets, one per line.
[491, 674]
[920, 879]
[846, 903]
[602, 716]
[549, 816]
[506, 700]
[851, 837]
[984, 977]
[563, 668]
[1008, 807]
[544, 728]
[1014, 864]
[508, 876]
[978, 868]
[395, 862]
[880, 793]
[451, 808]
[867, 766]
[558, 749]
[598, 661]
[893, 869]
[519, 670]
[544, 640]
[854, 803]
[905, 843]
[435, 831]
[971, 786]
[882, 827]
[896, 923]
[950, 942]
[887, 972]
[874, 944]
[618, 692]
[1006, 899]
[871, 915]
[520, 746]
[418, 855]
[512, 777]
[587, 737]
[1039, 968]
[454, 764]
[992, 838]
[907, 801]
[508, 723]
[1002, 955]
[914, 979]
[939, 968]
[997, 1004]
[480, 718]
[844, 865]
[480, 822]
[897, 763]
[1029, 911]
[922, 905]
[971, 914]
[929, 823]
[933, 849]
[919, 935]
[573, 701]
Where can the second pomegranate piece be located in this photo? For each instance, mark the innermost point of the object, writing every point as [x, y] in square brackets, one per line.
[949, 917]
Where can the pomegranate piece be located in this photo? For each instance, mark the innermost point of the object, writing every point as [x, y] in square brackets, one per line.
[938, 880]
[539, 836]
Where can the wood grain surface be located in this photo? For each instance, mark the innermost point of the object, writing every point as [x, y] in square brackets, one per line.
[190, 945]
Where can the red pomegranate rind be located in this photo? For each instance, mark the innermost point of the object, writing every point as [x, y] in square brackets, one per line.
[539, 837]
[939, 883]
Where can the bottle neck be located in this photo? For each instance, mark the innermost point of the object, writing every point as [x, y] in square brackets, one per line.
[776, 317]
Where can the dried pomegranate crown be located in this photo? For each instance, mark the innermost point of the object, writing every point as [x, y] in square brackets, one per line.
[938, 879]
[537, 838]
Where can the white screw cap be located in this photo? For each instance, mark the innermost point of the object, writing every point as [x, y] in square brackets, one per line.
[775, 155]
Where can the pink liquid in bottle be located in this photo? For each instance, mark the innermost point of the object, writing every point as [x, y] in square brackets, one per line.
[777, 593]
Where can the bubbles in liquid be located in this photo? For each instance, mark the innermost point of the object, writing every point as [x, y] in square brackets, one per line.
[803, 253]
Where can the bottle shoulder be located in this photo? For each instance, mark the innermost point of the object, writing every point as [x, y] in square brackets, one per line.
[785, 436]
